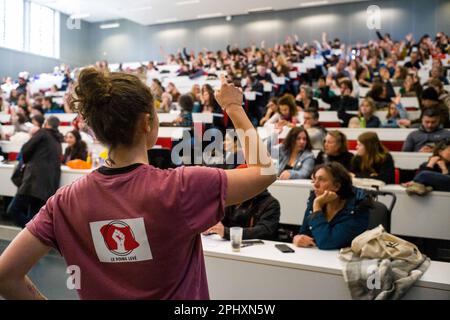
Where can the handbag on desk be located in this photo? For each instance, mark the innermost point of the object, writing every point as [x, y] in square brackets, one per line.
[17, 176]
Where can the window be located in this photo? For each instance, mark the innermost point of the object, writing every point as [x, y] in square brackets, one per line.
[27, 26]
[12, 24]
[44, 31]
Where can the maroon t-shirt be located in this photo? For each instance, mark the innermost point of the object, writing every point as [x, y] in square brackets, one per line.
[135, 232]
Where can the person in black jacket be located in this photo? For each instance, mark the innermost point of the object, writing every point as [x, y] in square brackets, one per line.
[258, 216]
[344, 102]
[42, 158]
[373, 160]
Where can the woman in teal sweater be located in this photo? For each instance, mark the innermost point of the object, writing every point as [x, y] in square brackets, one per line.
[336, 212]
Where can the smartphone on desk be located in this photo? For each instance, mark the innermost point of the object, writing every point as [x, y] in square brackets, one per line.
[284, 248]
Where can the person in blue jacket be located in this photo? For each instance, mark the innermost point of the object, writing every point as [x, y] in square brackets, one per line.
[336, 212]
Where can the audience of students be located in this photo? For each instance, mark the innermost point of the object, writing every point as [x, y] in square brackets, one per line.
[255, 69]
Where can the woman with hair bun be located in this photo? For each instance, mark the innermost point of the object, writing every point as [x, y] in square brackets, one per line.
[136, 232]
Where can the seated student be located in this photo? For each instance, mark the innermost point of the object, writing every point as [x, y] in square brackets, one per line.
[210, 105]
[262, 79]
[287, 115]
[76, 148]
[379, 94]
[344, 102]
[430, 132]
[186, 103]
[321, 86]
[272, 109]
[296, 161]
[38, 122]
[173, 91]
[19, 121]
[196, 93]
[363, 76]
[51, 107]
[305, 99]
[395, 112]
[430, 100]
[259, 217]
[373, 160]
[366, 115]
[23, 105]
[434, 174]
[336, 212]
[156, 89]
[438, 73]
[399, 76]
[335, 150]
[415, 61]
[87, 134]
[315, 130]
[411, 86]
[444, 96]
[166, 104]
[13, 97]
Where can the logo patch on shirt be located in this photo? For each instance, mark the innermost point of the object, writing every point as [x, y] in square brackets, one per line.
[119, 241]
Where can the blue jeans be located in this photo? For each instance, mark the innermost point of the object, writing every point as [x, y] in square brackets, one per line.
[438, 181]
[23, 208]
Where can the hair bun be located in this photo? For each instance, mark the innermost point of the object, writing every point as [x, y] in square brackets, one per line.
[93, 90]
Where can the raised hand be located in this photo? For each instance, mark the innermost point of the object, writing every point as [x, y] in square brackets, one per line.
[228, 95]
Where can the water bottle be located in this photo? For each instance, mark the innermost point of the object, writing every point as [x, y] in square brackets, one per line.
[362, 122]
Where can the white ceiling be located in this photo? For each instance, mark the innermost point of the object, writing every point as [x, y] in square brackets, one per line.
[147, 12]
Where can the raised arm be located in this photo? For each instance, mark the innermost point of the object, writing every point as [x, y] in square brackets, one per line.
[244, 184]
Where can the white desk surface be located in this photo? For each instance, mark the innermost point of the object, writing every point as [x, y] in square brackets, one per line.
[311, 259]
